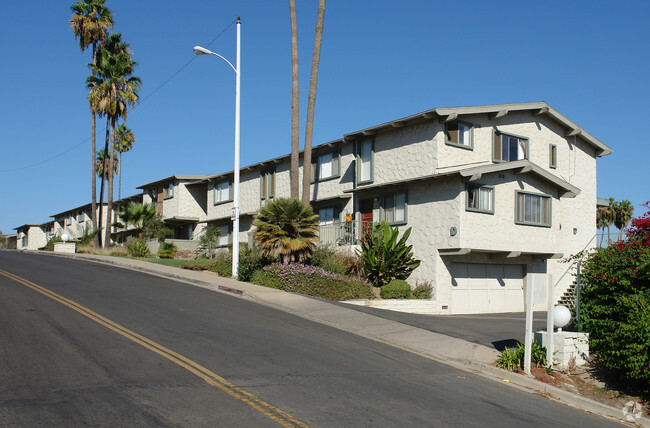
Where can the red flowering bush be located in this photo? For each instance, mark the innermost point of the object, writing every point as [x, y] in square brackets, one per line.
[615, 304]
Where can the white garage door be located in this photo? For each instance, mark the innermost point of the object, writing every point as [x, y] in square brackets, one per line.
[485, 288]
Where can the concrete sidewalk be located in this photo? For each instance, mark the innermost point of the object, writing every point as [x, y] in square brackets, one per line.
[448, 350]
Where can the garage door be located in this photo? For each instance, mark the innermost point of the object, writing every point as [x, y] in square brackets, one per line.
[486, 288]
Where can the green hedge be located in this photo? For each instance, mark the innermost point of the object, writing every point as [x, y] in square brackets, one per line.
[396, 289]
[312, 281]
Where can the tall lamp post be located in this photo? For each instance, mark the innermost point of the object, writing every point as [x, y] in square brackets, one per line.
[235, 209]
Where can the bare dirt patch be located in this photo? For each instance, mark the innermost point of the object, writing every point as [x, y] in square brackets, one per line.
[591, 382]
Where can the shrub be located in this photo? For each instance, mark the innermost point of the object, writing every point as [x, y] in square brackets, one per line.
[222, 264]
[396, 289]
[194, 266]
[137, 247]
[250, 261]
[87, 236]
[384, 257]
[154, 227]
[327, 258]
[615, 304]
[513, 358]
[167, 250]
[209, 240]
[422, 291]
[49, 246]
[312, 281]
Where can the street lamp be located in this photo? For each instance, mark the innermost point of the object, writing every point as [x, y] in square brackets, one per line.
[235, 209]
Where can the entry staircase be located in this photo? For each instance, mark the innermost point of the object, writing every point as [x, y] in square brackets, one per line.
[568, 299]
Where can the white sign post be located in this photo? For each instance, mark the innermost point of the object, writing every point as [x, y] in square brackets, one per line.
[539, 290]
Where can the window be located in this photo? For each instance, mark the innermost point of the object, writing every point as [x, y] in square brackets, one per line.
[168, 191]
[80, 217]
[326, 166]
[552, 155]
[365, 160]
[267, 184]
[222, 192]
[480, 199]
[459, 134]
[224, 235]
[509, 148]
[328, 216]
[394, 208]
[68, 220]
[533, 209]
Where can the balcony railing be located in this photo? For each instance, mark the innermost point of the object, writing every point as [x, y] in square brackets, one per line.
[343, 232]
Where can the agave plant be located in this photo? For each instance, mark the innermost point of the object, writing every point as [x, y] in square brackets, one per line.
[385, 257]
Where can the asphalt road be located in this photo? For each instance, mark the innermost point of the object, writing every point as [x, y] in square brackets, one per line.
[127, 348]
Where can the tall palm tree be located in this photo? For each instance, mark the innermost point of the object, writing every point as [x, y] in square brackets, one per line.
[605, 218]
[286, 228]
[124, 139]
[311, 104]
[294, 176]
[623, 212]
[101, 169]
[90, 21]
[113, 90]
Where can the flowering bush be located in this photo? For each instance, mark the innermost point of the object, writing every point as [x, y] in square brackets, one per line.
[313, 281]
[615, 304]
[222, 264]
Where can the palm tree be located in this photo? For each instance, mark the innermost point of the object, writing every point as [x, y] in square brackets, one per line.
[311, 104]
[623, 212]
[137, 214]
[113, 90]
[90, 21]
[124, 139]
[286, 228]
[101, 169]
[605, 218]
[294, 176]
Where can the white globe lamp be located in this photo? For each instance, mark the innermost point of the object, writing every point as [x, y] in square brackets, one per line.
[65, 237]
[561, 316]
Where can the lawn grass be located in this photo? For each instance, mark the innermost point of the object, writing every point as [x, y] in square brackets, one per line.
[172, 262]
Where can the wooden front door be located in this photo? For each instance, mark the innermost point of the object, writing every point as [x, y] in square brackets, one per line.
[365, 207]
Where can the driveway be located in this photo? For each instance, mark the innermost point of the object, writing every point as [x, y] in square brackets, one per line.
[494, 330]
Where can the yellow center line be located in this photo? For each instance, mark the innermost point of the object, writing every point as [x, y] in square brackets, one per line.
[208, 376]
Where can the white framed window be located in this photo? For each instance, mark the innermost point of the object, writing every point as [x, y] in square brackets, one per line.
[394, 208]
[459, 134]
[509, 148]
[533, 209]
[224, 235]
[365, 160]
[222, 192]
[326, 166]
[168, 191]
[267, 184]
[327, 216]
[68, 220]
[480, 199]
[80, 217]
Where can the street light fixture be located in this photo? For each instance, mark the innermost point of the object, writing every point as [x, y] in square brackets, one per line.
[199, 50]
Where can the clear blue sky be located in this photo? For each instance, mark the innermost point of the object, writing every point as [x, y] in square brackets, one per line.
[380, 61]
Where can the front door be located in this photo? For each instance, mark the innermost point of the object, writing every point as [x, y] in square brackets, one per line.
[365, 206]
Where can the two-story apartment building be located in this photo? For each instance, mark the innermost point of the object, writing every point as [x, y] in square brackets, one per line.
[492, 193]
